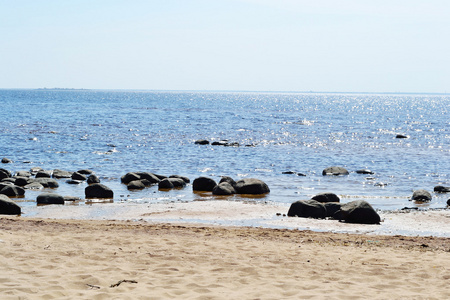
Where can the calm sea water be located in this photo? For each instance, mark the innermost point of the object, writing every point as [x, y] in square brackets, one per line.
[115, 132]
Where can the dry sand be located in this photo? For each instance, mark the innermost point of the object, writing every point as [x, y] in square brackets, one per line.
[93, 259]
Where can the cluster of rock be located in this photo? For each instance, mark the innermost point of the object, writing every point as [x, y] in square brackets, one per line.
[226, 186]
[420, 195]
[37, 178]
[142, 180]
[224, 143]
[327, 205]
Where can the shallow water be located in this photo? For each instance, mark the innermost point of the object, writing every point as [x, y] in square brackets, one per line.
[115, 132]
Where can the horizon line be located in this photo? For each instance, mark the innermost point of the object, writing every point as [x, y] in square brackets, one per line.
[225, 91]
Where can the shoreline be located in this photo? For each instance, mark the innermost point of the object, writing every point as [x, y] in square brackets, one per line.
[249, 214]
[94, 259]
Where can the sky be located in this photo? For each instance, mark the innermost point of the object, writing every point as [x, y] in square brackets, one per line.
[236, 45]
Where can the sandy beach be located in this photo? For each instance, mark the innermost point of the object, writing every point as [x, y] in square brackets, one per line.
[98, 259]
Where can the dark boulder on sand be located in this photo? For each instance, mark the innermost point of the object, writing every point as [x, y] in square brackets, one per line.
[98, 190]
[442, 189]
[421, 195]
[50, 198]
[203, 184]
[8, 207]
[326, 197]
[251, 186]
[332, 208]
[307, 209]
[358, 211]
[335, 171]
[224, 188]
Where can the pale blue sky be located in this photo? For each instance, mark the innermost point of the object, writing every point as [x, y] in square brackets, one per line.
[257, 45]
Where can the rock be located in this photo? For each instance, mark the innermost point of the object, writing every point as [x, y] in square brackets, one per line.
[93, 179]
[50, 198]
[165, 184]
[251, 186]
[233, 144]
[10, 180]
[12, 191]
[85, 172]
[307, 209]
[185, 179]
[129, 177]
[335, 171]
[47, 182]
[364, 171]
[326, 197]
[136, 185]
[61, 174]
[153, 178]
[224, 188]
[98, 190]
[34, 170]
[78, 176]
[401, 136]
[448, 202]
[332, 208]
[8, 207]
[73, 181]
[34, 186]
[421, 195]
[358, 211]
[229, 180]
[23, 174]
[22, 181]
[71, 198]
[220, 143]
[204, 184]
[6, 160]
[4, 174]
[43, 174]
[442, 189]
[201, 142]
[169, 183]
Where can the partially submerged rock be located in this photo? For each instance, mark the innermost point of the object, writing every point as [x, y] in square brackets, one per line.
[251, 186]
[421, 195]
[336, 171]
[50, 198]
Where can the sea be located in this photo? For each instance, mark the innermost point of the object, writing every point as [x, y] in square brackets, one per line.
[285, 139]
